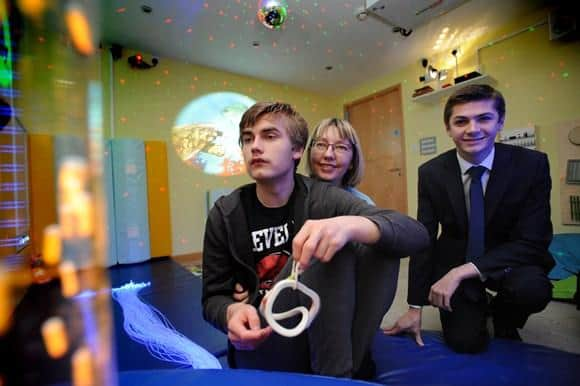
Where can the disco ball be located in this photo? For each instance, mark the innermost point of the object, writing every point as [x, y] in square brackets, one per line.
[272, 13]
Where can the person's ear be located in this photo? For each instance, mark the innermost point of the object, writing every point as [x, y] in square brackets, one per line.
[447, 129]
[297, 152]
[500, 124]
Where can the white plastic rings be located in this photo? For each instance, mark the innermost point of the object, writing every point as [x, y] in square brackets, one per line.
[308, 315]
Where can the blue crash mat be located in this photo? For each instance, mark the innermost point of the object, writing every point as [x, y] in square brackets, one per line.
[175, 292]
[187, 377]
[401, 362]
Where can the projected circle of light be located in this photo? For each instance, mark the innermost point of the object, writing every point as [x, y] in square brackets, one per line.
[205, 134]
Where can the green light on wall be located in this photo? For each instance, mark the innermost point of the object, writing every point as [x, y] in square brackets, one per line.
[5, 50]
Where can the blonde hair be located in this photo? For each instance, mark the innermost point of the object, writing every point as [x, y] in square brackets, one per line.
[355, 172]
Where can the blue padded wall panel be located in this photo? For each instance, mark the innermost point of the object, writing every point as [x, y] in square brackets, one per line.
[130, 200]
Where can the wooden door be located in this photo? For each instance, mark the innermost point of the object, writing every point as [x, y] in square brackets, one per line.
[378, 120]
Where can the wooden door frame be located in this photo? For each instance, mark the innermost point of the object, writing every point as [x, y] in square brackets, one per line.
[375, 95]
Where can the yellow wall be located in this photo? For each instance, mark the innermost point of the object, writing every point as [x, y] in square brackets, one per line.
[53, 82]
[540, 80]
[146, 104]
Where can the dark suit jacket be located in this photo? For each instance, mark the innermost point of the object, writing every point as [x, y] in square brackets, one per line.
[518, 229]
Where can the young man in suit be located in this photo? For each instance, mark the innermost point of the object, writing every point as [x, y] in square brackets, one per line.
[253, 234]
[492, 203]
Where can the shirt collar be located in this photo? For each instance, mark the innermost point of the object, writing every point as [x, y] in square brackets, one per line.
[487, 162]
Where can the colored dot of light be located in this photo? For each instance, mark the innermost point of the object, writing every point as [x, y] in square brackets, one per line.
[232, 45]
[168, 20]
[147, 149]
[157, 82]
[41, 39]
[123, 119]
[565, 75]
[162, 189]
[210, 38]
[189, 30]
[121, 10]
[205, 5]
[122, 81]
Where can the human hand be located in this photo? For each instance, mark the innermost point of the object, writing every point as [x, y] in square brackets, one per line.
[244, 327]
[323, 238]
[442, 291]
[409, 322]
[240, 294]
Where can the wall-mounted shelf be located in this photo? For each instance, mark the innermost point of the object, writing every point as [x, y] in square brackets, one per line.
[436, 95]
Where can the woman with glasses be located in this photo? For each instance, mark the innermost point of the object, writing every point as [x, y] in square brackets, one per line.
[334, 155]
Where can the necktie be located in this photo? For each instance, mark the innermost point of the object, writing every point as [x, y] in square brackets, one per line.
[476, 235]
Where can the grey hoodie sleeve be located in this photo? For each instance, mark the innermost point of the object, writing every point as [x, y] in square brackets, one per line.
[218, 272]
[401, 235]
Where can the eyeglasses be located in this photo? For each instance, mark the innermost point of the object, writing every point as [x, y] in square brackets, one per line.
[338, 148]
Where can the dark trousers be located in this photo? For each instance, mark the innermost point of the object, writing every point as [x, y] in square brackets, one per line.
[356, 289]
[521, 291]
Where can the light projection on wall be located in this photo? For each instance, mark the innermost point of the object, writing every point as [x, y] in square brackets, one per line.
[205, 134]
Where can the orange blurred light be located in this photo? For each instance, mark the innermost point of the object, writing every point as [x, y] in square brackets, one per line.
[80, 30]
[32, 8]
[55, 337]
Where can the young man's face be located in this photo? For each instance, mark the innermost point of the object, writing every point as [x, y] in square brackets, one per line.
[268, 151]
[473, 127]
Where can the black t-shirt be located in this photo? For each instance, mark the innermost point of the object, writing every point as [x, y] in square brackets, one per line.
[271, 234]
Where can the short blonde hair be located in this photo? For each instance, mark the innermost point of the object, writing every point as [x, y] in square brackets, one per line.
[355, 172]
